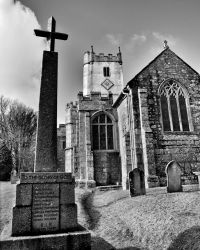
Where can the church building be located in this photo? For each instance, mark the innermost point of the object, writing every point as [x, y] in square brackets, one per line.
[114, 128]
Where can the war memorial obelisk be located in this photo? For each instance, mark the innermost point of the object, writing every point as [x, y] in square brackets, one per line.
[45, 215]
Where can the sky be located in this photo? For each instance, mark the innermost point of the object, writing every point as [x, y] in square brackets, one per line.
[139, 27]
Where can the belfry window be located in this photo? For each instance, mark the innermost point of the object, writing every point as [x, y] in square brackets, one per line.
[106, 71]
[102, 133]
[173, 107]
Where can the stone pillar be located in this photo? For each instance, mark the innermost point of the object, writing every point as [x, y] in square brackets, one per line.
[89, 156]
[151, 180]
[46, 151]
[82, 150]
[69, 146]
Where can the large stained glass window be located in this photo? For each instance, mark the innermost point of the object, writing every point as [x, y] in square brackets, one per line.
[102, 133]
[173, 107]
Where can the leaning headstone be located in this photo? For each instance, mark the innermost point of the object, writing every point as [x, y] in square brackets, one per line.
[45, 215]
[136, 182]
[173, 172]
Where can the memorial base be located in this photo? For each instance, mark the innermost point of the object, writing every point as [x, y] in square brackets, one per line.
[80, 239]
[45, 204]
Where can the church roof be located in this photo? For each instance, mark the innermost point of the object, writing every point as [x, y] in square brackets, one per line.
[122, 95]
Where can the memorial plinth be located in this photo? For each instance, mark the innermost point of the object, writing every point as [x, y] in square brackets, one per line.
[45, 203]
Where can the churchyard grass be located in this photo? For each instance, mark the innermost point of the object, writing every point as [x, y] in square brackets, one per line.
[156, 221]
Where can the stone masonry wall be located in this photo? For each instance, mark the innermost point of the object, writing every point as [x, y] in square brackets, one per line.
[90, 162]
[71, 138]
[125, 148]
[107, 168]
[61, 144]
[183, 147]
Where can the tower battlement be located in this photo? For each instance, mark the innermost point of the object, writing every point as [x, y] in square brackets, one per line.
[94, 95]
[72, 105]
[91, 57]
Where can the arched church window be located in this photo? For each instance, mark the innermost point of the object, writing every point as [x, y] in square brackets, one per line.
[102, 133]
[173, 100]
[106, 71]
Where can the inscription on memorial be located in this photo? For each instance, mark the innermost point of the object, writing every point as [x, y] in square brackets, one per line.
[52, 177]
[45, 209]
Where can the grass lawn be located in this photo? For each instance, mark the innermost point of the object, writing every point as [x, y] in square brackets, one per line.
[153, 222]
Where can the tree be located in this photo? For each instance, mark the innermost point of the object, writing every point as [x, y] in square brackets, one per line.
[5, 162]
[17, 130]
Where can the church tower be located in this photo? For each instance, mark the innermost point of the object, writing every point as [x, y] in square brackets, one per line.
[92, 137]
[102, 73]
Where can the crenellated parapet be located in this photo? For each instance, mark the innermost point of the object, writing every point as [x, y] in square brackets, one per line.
[94, 95]
[95, 101]
[71, 105]
[91, 56]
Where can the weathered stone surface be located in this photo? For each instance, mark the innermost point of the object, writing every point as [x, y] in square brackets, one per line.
[21, 223]
[136, 182]
[198, 174]
[23, 194]
[61, 145]
[45, 208]
[80, 239]
[146, 106]
[173, 172]
[46, 145]
[50, 177]
[67, 193]
[68, 217]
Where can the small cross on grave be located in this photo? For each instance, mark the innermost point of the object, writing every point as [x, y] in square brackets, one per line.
[51, 35]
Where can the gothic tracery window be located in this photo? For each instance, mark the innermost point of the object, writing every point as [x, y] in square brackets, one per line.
[102, 133]
[174, 107]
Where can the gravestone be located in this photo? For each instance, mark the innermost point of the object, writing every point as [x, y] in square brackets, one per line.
[173, 172]
[136, 182]
[45, 210]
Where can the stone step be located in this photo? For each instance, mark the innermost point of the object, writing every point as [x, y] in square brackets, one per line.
[110, 187]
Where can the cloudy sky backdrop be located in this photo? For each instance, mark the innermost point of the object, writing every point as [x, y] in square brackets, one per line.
[137, 26]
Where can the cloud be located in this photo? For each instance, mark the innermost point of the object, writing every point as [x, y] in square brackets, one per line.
[21, 52]
[161, 38]
[136, 40]
[115, 40]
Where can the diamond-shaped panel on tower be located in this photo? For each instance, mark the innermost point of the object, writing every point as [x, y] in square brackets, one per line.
[107, 84]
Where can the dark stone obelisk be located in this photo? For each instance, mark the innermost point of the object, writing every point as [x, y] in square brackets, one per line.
[45, 215]
[46, 149]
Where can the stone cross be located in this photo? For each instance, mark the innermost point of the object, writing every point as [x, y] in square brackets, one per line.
[51, 34]
[166, 46]
[46, 144]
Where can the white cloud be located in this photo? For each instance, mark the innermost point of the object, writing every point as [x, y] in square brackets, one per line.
[21, 53]
[115, 40]
[136, 40]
